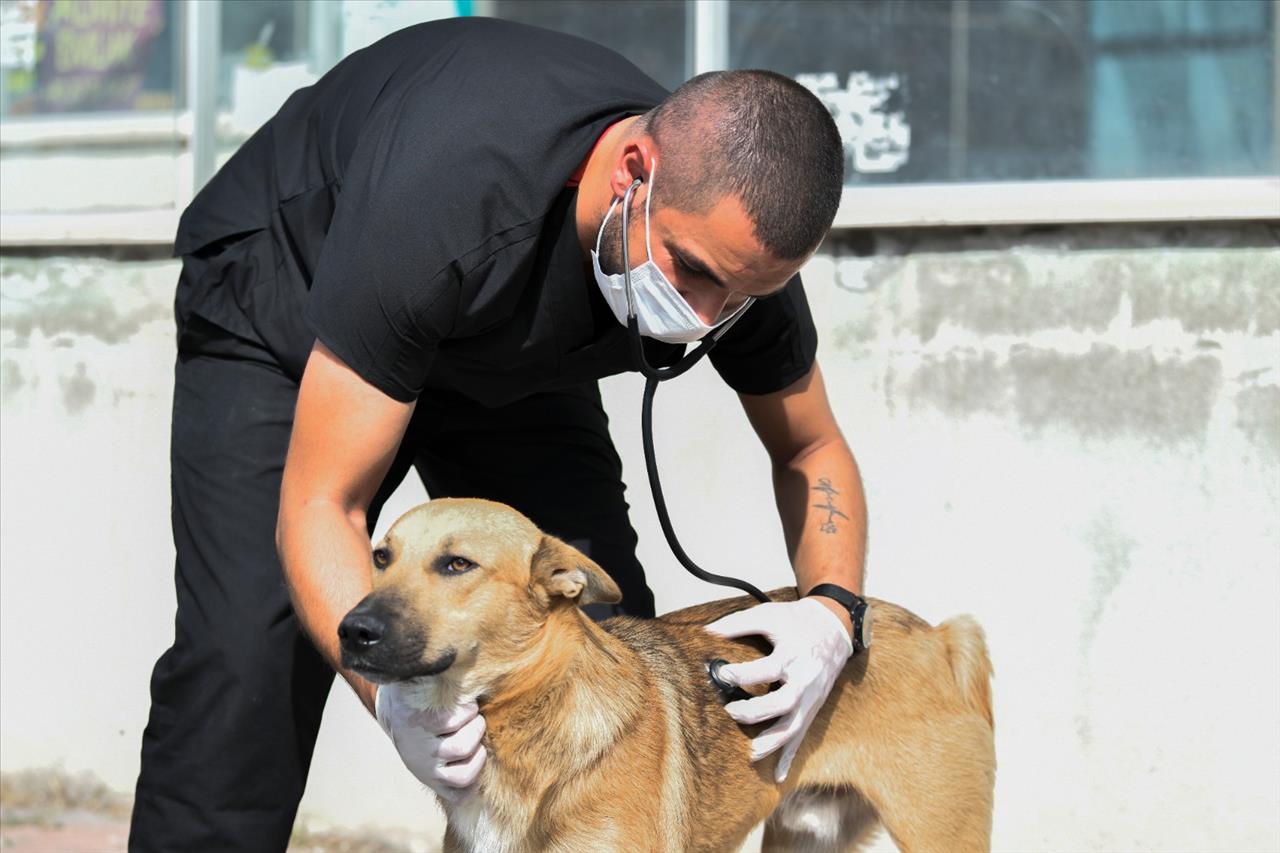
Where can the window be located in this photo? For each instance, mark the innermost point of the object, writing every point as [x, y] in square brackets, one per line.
[90, 95]
[263, 56]
[75, 56]
[651, 33]
[1182, 88]
[998, 90]
[952, 111]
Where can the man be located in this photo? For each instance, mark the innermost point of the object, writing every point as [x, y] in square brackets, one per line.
[399, 270]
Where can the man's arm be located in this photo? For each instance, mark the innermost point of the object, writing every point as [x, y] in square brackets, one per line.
[345, 436]
[824, 519]
[816, 484]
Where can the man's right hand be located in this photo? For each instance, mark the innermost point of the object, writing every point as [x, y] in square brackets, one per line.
[345, 437]
[440, 747]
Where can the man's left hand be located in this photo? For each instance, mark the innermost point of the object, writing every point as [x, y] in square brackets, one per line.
[810, 647]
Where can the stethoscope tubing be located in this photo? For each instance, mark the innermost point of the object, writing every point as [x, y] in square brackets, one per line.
[660, 503]
[654, 375]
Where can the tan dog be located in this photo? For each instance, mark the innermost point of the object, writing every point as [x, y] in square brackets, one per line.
[612, 737]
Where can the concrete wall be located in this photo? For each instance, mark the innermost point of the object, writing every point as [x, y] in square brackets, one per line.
[1073, 434]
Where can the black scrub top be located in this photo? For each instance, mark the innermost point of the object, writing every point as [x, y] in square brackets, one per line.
[410, 210]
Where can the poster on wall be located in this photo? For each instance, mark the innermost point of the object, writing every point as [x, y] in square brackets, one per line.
[18, 35]
[97, 55]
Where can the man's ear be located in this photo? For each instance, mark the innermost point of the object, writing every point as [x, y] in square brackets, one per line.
[635, 160]
[564, 571]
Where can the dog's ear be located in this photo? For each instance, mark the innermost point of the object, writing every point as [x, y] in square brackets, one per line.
[562, 570]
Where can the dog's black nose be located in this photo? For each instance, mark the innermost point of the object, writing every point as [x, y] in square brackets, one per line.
[360, 630]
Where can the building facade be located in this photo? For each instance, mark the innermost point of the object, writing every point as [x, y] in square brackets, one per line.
[1049, 321]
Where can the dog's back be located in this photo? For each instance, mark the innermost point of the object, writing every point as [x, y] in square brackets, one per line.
[905, 738]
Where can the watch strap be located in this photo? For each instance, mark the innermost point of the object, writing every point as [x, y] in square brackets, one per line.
[852, 602]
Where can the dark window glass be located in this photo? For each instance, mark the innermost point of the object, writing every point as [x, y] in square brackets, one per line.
[263, 57]
[651, 33]
[257, 36]
[1183, 88]
[981, 90]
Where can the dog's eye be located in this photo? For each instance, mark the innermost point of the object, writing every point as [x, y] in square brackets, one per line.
[457, 565]
[381, 557]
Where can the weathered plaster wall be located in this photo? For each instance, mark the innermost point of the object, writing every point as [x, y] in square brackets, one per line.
[1073, 434]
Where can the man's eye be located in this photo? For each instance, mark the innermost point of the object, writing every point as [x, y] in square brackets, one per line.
[381, 557]
[458, 565]
[685, 268]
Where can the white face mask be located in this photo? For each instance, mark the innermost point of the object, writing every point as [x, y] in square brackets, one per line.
[661, 311]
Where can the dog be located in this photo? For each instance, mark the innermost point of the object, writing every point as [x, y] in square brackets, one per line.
[612, 736]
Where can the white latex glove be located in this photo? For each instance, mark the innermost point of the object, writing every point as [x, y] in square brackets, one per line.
[810, 648]
[440, 747]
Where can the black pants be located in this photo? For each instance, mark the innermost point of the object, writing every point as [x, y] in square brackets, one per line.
[236, 701]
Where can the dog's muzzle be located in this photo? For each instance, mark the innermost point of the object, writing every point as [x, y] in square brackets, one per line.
[374, 649]
[360, 632]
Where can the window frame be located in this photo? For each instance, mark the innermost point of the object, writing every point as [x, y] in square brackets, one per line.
[1059, 202]
[194, 130]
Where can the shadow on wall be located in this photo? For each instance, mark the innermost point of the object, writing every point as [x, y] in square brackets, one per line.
[1143, 332]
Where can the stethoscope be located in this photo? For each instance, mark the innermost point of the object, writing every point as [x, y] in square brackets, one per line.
[654, 375]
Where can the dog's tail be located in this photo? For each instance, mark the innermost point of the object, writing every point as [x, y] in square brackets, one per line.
[970, 664]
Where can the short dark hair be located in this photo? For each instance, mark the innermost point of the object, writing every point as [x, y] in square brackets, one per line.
[757, 135]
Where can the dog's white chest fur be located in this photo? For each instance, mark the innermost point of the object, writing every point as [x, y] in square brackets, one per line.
[472, 820]
[477, 828]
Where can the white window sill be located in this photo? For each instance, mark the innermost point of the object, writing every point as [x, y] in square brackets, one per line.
[922, 205]
[95, 130]
[123, 228]
[1035, 202]
[112, 129]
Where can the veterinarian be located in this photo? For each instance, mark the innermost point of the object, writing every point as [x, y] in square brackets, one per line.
[417, 263]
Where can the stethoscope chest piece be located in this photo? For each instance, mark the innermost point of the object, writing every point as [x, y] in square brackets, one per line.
[728, 692]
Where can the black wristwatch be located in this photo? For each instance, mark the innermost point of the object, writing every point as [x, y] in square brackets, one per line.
[857, 607]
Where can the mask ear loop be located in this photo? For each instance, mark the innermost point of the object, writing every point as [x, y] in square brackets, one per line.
[728, 322]
[603, 223]
[648, 197]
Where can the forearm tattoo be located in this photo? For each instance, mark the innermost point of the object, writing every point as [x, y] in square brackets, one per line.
[828, 492]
